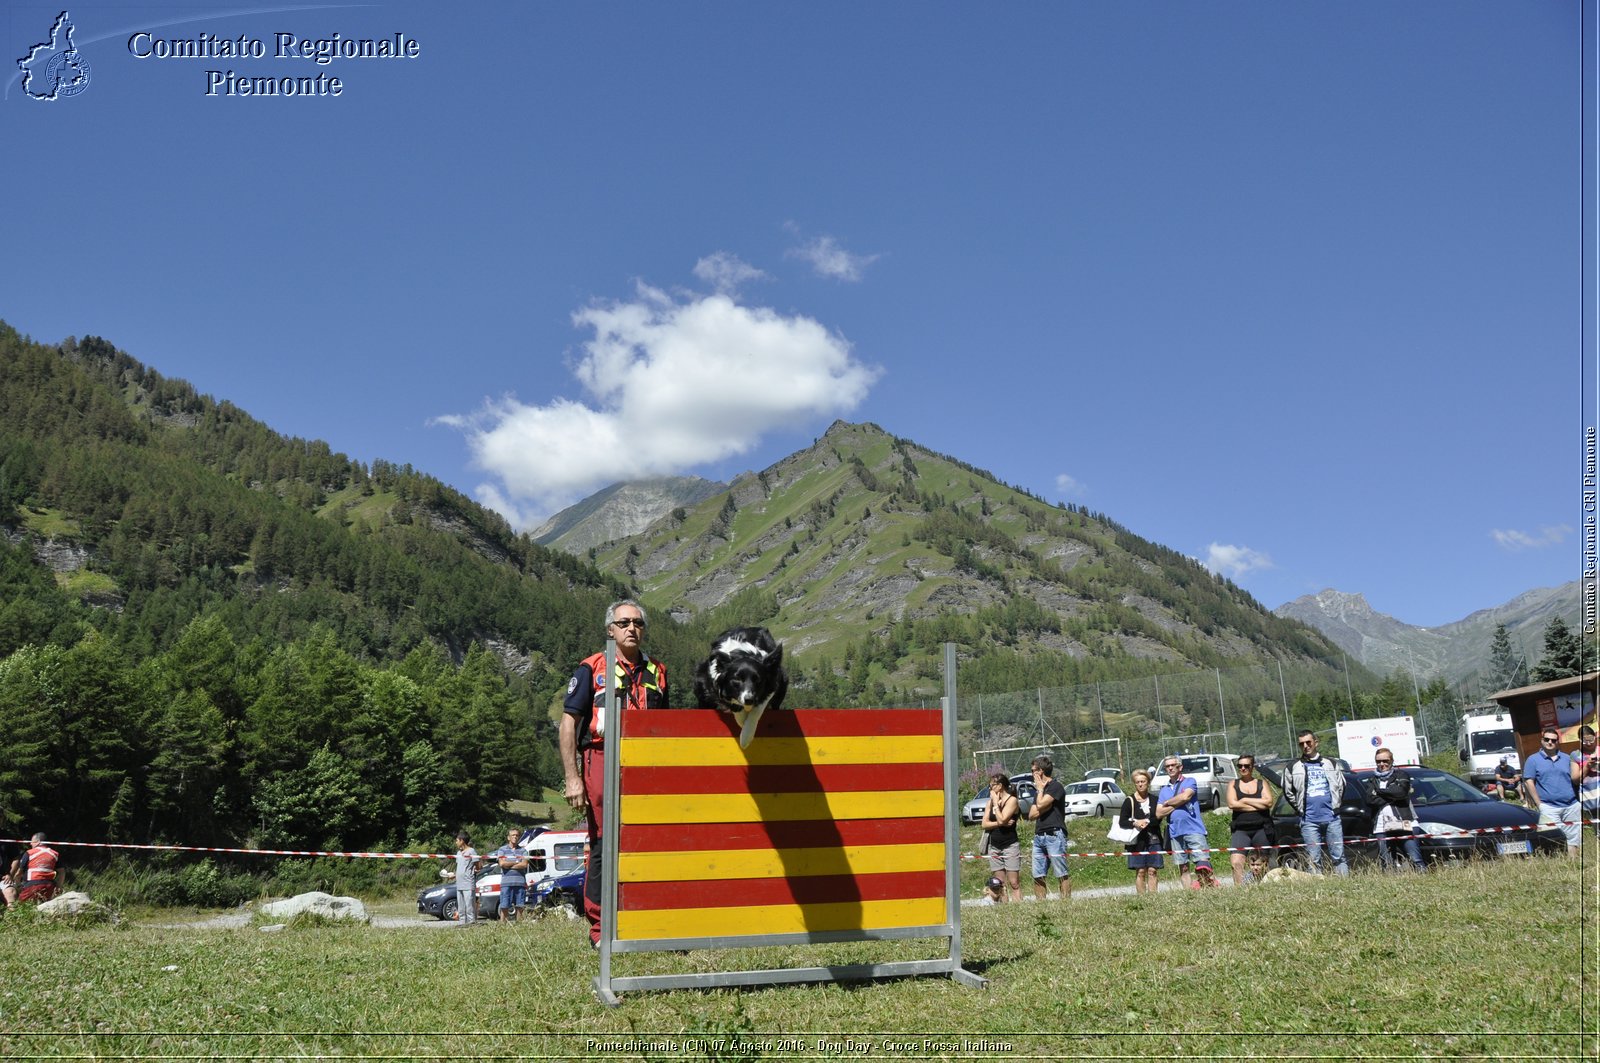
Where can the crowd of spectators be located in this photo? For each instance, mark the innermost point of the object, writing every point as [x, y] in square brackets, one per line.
[1158, 823]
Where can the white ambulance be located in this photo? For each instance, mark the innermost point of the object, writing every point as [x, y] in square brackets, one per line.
[1486, 735]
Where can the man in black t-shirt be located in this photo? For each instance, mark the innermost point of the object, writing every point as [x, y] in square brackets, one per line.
[1509, 779]
[1049, 829]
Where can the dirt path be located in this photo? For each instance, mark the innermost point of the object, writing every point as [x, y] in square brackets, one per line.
[239, 919]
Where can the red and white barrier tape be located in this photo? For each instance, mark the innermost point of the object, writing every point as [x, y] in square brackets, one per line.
[241, 852]
[964, 856]
[1347, 841]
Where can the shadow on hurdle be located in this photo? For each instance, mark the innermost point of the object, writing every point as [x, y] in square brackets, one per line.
[835, 825]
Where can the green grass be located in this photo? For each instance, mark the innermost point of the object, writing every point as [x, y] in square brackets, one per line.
[84, 583]
[1367, 967]
[49, 523]
[351, 506]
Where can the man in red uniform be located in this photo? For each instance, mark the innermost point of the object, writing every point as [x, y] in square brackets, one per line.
[33, 876]
[642, 682]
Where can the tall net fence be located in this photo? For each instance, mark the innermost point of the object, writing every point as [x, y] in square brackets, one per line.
[1133, 723]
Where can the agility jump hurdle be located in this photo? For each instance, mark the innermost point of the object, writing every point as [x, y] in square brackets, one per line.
[834, 825]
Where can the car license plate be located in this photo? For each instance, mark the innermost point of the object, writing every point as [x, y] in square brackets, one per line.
[1513, 848]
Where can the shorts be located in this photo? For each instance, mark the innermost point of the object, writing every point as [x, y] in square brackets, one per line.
[1565, 816]
[1050, 851]
[1191, 849]
[514, 895]
[1006, 859]
[1254, 838]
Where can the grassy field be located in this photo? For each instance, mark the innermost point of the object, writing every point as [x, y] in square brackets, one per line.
[1369, 967]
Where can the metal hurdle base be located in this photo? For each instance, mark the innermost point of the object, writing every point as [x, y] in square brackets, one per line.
[855, 972]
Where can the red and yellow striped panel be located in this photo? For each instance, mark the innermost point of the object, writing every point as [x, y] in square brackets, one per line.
[831, 820]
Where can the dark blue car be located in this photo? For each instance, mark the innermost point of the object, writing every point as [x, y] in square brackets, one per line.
[1455, 821]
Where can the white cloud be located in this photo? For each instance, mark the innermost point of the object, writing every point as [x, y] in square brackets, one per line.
[1549, 535]
[674, 385]
[1234, 561]
[726, 272]
[828, 259]
[1068, 485]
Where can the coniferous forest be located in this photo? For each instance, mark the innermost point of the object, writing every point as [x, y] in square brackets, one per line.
[214, 634]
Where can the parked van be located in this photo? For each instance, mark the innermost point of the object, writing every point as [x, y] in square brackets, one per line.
[555, 875]
[1211, 773]
[1486, 735]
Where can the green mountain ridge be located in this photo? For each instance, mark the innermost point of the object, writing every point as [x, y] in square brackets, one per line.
[866, 537]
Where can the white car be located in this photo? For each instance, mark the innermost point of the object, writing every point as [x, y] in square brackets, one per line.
[1094, 797]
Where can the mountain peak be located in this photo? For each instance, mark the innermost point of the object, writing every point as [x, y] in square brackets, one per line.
[1456, 651]
[1342, 603]
[620, 510]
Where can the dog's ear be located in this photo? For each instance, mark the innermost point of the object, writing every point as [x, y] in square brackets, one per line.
[776, 658]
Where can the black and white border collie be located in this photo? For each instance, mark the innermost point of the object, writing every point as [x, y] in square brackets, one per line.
[744, 675]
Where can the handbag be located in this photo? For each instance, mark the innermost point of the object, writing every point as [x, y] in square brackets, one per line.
[983, 846]
[1119, 833]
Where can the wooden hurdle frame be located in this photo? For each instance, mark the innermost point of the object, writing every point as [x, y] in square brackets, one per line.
[838, 825]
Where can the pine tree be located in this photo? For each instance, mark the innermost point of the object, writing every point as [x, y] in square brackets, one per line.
[1506, 668]
[1562, 655]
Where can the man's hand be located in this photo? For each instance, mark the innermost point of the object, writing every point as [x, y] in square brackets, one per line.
[575, 795]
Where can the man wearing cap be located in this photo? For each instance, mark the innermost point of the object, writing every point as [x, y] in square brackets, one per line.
[993, 891]
[641, 683]
[1508, 778]
[1548, 777]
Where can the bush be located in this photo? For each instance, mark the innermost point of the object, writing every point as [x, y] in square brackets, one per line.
[204, 885]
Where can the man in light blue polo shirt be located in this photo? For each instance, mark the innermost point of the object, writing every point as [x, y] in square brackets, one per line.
[1186, 830]
[1547, 775]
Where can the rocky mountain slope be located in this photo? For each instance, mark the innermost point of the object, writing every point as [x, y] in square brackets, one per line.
[1456, 652]
[620, 510]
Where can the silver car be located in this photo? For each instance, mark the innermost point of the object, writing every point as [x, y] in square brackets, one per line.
[1021, 785]
[1094, 797]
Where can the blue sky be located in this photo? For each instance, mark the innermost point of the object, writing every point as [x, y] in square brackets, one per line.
[1291, 288]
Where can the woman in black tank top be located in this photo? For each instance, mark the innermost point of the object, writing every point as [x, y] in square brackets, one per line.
[1251, 800]
[1000, 823]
